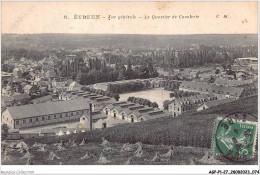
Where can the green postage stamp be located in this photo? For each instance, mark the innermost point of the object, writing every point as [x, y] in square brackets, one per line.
[233, 138]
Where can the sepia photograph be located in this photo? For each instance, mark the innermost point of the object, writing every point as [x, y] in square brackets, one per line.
[129, 83]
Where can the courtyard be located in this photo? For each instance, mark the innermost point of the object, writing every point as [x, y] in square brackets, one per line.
[157, 95]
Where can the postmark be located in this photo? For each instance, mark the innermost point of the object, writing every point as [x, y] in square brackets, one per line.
[234, 136]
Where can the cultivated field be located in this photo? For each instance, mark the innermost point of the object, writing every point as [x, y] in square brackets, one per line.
[112, 154]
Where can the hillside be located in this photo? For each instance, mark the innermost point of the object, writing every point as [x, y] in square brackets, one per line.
[193, 129]
[115, 155]
[189, 134]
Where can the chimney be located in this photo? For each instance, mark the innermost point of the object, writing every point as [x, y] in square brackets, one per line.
[90, 116]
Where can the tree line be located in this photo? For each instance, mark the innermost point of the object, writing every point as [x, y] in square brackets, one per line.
[204, 55]
[129, 86]
[142, 101]
[181, 93]
[98, 72]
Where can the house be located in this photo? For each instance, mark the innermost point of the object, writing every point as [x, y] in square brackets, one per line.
[6, 90]
[44, 84]
[60, 84]
[43, 114]
[84, 122]
[27, 89]
[30, 89]
[17, 72]
[31, 75]
[36, 80]
[179, 106]
[74, 86]
[65, 96]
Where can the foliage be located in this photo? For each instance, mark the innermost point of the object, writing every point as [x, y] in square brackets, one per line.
[204, 55]
[109, 74]
[180, 94]
[211, 80]
[116, 96]
[166, 104]
[142, 101]
[154, 105]
[4, 131]
[127, 87]
[7, 68]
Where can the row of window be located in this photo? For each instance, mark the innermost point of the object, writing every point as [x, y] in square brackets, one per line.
[55, 116]
[123, 116]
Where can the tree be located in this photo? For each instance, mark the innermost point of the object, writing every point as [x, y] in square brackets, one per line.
[217, 71]
[116, 96]
[211, 80]
[25, 74]
[147, 84]
[129, 70]
[4, 132]
[117, 66]
[143, 72]
[154, 105]
[150, 68]
[79, 76]
[74, 76]
[166, 104]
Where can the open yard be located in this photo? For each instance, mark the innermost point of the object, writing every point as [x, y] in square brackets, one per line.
[157, 95]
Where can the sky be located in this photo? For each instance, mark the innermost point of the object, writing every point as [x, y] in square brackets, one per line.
[48, 17]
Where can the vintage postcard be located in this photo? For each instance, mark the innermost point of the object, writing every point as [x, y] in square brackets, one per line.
[129, 83]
